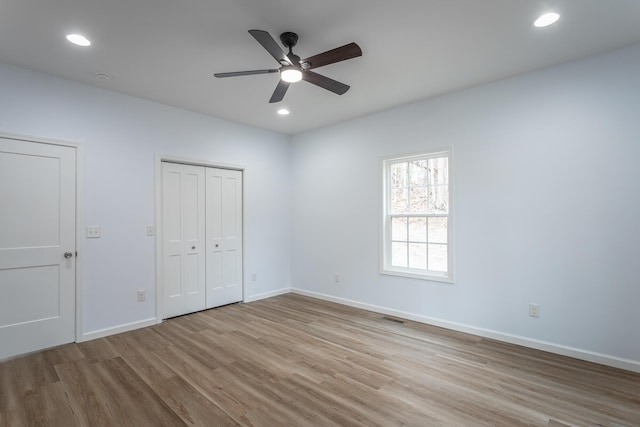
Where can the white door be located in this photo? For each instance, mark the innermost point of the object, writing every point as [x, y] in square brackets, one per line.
[183, 231]
[37, 246]
[224, 237]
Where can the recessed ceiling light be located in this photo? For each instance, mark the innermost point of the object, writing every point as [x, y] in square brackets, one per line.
[546, 19]
[283, 111]
[78, 39]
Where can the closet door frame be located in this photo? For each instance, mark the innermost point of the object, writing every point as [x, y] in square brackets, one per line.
[160, 311]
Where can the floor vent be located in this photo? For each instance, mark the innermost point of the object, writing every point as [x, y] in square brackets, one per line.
[391, 319]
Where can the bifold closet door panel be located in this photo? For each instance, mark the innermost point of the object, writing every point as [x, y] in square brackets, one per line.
[183, 233]
[224, 236]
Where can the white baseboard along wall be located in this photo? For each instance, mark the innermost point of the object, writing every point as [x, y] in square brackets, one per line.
[603, 359]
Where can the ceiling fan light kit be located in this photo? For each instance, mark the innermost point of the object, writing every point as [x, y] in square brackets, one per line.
[293, 69]
[290, 74]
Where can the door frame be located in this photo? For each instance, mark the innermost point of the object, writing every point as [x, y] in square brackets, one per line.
[79, 149]
[158, 221]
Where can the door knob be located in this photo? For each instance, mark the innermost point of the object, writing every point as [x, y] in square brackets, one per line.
[68, 254]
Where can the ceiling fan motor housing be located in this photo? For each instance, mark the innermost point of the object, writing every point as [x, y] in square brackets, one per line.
[289, 39]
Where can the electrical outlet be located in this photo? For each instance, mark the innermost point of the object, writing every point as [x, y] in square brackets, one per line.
[93, 232]
[253, 277]
[337, 278]
[534, 310]
[142, 295]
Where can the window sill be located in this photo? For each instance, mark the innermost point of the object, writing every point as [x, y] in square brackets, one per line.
[412, 275]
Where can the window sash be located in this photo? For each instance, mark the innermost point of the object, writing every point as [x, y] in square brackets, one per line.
[388, 242]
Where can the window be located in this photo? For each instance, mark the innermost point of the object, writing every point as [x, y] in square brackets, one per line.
[417, 220]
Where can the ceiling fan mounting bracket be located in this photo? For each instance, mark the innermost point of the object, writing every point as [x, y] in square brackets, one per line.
[289, 39]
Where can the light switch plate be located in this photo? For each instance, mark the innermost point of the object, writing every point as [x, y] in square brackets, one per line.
[151, 230]
[93, 232]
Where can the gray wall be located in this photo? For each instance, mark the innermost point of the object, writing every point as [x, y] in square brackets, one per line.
[121, 136]
[546, 199]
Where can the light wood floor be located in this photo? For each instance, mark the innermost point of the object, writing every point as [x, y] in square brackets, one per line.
[297, 361]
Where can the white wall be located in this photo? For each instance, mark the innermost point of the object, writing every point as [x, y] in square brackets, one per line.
[547, 207]
[121, 136]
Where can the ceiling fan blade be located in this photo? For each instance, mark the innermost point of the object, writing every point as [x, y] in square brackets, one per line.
[325, 82]
[332, 56]
[271, 46]
[246, 73]
[278, 94]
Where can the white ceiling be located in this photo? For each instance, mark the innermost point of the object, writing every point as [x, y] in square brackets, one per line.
[168, 50]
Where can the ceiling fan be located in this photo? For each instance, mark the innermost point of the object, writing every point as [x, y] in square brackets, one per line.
[293, 69]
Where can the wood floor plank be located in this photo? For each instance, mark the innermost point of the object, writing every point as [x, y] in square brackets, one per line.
[191, 405]
[10, 391]
[50, 405]
[323, 408]
[296, 361]
[142, 360]
[63, 353]
[85, 393]
[118, 396]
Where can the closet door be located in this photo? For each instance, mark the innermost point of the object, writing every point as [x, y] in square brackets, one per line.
[183, 231]
[224, 236]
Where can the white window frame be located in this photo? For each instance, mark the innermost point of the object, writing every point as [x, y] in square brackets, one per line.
[385, 238]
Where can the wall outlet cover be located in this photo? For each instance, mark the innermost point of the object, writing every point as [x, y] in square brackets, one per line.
[534, 310]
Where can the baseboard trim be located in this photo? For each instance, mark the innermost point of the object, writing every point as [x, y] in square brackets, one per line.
[269, 294]
[576, 353]
[101, 333]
